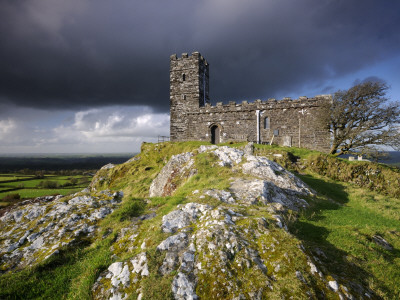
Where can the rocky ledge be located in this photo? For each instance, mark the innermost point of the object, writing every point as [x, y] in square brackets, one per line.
[238, 248]
[37, 230]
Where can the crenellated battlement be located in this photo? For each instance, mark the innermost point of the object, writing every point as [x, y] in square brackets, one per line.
[271, 103]
[185, 56]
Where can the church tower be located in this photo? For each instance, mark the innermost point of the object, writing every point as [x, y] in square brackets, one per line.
[189, 90]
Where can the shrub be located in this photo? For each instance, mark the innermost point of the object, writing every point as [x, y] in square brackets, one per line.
[48, 184]
[39, 174]
[365, 174]
[11, 197]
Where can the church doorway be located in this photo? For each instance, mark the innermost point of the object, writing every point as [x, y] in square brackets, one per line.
[215, 134]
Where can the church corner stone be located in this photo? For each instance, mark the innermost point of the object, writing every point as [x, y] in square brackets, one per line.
[284, 122]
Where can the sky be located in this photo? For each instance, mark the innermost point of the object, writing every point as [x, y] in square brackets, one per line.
[92, 76]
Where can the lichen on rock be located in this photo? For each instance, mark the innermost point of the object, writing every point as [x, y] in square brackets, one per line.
[31, 233]
[178, 167]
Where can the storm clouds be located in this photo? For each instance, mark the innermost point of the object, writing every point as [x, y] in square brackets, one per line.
[80, 55]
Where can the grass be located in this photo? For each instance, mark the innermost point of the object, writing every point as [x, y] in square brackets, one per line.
[341, 222]
[135, 178]
[70, 274]
[266, 149]
[29, 193]
[7, 177]
[342, 227]
[344, 231]
[28, 186]
[67, 275]
[32, 183]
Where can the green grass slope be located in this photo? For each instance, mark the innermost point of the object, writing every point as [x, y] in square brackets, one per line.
[357, 205]
[366, 204]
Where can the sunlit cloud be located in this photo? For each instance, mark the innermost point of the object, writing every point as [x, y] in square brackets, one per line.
[6, 127]
[105, 129]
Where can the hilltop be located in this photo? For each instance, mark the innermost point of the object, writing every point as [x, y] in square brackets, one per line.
[196, 221]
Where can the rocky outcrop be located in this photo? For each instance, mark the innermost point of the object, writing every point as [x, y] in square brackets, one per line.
[220, 253]
[119, 276]
[178, 168]
[223, 241]
[33, 232]
[183, 217]
[275, 184]
[107, 166]
[237, 249]
[256, 191]
[266, 169]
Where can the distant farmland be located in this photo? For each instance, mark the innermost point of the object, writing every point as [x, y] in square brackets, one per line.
[30, 176]
[15, 187]
[56, 162]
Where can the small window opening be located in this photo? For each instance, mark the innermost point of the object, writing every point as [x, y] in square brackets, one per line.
[184, 77]
[266, 123]
[183, 97]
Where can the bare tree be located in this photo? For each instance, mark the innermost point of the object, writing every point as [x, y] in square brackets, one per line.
[362, 118]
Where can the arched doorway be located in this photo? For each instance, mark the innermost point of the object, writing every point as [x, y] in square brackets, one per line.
[215, 134]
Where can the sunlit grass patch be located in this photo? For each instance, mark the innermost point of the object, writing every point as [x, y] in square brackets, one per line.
[67, 275]
[32, 193]
[30, 186]
[345, 232]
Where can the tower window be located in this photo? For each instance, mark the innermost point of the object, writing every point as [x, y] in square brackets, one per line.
[266, 123]
[183, 77]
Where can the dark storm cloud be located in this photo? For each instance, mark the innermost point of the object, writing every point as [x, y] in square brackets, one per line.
[84, 53]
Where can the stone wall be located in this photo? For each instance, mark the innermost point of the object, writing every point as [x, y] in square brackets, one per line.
[289, 122]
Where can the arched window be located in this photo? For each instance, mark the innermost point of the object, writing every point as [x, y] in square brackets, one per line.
[183, 77]
[266, 123]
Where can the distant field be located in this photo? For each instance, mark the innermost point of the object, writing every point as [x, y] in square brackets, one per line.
[34, 175]
[32, 187]
[56, 162]
[33, 193]
[6, 177]
[34, 182]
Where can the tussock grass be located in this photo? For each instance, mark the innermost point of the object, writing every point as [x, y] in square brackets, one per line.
[67, 275]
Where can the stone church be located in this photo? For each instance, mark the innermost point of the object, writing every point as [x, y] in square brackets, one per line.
[284, 122]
